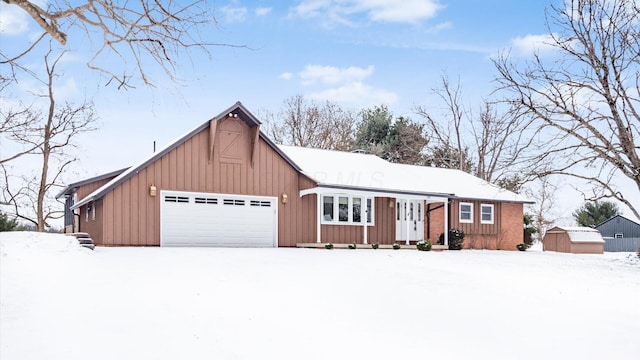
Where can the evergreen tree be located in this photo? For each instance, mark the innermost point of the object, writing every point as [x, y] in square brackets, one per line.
[594, 213]
[7, 224]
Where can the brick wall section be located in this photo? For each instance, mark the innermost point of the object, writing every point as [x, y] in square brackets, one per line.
[512, 226]
[509, 234]
[437, 222]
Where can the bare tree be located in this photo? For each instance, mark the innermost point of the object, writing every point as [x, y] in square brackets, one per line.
[129, 32]
[304, 122]
[49, 136]
[445, 133]
[585, 98]
[18, 125]
[544, 195]
[489, 145]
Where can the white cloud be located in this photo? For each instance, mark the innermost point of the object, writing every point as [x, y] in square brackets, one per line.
[530, 44]
[262, 11]
[13, 20]
[286, 76]
[234, 14]
[340, 11]
[333, 75]
[358, 94]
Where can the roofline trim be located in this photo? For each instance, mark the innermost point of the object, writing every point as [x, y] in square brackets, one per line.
[250, 118]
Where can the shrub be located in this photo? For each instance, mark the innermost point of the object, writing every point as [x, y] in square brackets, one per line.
[396, 246]
[456, 238]
[375, 246]
[639, 252]
[352, 246]
[522, 247]
[424, 245]
[328, 246]
[7, 224]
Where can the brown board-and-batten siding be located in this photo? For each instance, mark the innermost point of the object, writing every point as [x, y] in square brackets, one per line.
[132, 216]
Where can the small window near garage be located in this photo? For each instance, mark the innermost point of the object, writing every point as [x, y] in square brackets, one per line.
[486, 214]
[327, 208]
[618, 236]
[93, 212]
[343, 209]
[203, 200]
[466, 212]
[369, 210]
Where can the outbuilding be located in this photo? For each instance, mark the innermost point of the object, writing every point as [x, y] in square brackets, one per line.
[576, 240]
[620, 234]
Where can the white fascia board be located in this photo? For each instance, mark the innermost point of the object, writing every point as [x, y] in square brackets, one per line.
[320, 190]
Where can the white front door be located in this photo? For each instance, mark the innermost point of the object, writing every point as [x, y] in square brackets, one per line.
[409, 220]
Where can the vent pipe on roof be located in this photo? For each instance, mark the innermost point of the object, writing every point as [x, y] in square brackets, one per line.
[154, 146]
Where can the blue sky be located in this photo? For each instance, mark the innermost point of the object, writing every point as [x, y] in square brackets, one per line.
[354, 52]
[357, 53]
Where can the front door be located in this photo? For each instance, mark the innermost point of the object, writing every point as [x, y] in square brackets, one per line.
[409, 220]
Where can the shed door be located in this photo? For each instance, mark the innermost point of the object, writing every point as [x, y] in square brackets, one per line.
[225, 220]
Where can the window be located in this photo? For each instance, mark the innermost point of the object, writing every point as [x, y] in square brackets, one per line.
[486, 214]
[348, 209]
[343, 209]
[618, 236]
[466, 212]
[327, 208]
[356, 209]
[86, 213]
[93, 212]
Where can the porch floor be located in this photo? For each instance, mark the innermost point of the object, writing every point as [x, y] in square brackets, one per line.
[368, 246]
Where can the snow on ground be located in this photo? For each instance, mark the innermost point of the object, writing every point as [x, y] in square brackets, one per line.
[60, 301]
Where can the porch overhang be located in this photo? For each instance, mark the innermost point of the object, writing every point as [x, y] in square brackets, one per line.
[322, 189]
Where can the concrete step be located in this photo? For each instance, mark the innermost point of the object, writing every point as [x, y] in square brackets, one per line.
[84, 241]
[79, 234]
[88, 246]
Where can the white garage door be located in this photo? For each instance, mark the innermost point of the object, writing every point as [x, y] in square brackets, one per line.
[205, 219]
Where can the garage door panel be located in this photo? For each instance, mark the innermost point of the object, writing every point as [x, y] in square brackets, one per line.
[204, 219]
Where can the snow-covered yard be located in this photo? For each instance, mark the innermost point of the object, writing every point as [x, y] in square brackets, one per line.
[60, 301]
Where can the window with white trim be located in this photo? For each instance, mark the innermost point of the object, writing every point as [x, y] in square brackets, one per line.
[618, 236]
[86, 213]
[466, 213]
[486, 213]
[327, 209]
[346, 210]
[93, 211]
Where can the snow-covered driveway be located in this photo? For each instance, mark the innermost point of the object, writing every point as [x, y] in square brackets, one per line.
[60, 301]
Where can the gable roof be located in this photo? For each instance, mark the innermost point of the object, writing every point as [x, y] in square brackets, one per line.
[340, 169]
[615, 217]
[579, 233]
[237, 109]
[71, 188]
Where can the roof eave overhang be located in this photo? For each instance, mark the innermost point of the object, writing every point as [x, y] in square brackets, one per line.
[493, 200]
[374, 192]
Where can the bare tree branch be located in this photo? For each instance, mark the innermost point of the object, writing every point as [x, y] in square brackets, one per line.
[586, 101]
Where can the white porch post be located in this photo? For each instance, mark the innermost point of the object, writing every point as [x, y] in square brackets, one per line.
[319, 217]
[446, 222]
[366, 213]
[406, 218]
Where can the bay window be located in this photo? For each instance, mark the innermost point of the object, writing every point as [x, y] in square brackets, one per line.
[348, 210]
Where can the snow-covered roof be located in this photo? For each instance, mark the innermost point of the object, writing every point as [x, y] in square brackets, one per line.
[580, 233]
[369, 172]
